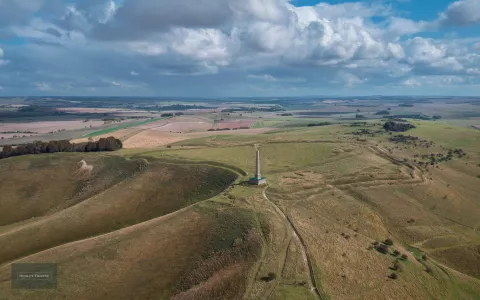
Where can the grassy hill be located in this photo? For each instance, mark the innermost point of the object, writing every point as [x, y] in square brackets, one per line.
[51, 206]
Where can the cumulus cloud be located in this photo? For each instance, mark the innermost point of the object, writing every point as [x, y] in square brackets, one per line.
[428, 54]
[79, 44]
[462, 13]
[398, 27]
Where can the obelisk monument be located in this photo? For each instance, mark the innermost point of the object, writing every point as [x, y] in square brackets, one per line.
[258, 179]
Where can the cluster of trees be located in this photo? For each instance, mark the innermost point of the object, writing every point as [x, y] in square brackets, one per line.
[319, 124]
[411, 116]
[364, 131]
[397, 126]
[183, 107]
[225, 129]
[171, 115]
[274, 108]
[358, 124]
[18, 131]
[38, 147]
[433, 158]
[383, 113]
[411, 140]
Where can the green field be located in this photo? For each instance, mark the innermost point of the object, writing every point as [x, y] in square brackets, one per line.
[122, 126]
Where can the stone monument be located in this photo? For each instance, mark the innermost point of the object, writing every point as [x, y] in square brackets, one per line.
[258, 179]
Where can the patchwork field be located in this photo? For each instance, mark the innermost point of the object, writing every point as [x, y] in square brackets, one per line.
[37, 128]
[231, 124]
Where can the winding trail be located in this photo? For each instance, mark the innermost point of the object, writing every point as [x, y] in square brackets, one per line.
[305, 252]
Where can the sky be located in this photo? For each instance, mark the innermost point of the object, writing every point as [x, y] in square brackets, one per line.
[239, 48]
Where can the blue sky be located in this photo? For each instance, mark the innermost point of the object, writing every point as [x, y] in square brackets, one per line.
[239, 47]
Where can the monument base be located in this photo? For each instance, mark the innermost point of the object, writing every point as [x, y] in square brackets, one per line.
[257, 181]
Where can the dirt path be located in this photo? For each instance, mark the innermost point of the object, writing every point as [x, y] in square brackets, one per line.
[305, 252]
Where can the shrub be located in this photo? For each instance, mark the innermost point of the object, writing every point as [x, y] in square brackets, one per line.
[404, 257]
[397, 266]
[428, 270]
[397, 127]
[424, 257]
[382, 248]
[393, 276]
[375, 243]
[396, 252]
[270, 276]
[388, 242]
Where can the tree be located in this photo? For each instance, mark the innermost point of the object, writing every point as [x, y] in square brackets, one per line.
[31, 148]
[113, 144]
[397, 126]
[91, 147]
[7, 149]
[102, 144]
[21, 150]
[393, 276]
[397, 266]
[382, 248]
[52, 147]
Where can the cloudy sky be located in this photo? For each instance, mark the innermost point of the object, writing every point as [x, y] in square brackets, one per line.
[239, 47]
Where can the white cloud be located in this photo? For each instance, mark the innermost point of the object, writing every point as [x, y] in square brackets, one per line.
[351, 10]
[42, 86]
[427, 52]
[411, 83]
[110, 10]
[202, 44]
[349, 79]
[147, 48]
[401, 26]
[270, 78]
[322, 46]
[396, 50]
[265, 77]
[461, 13]
[2, 61]
[473, 71]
